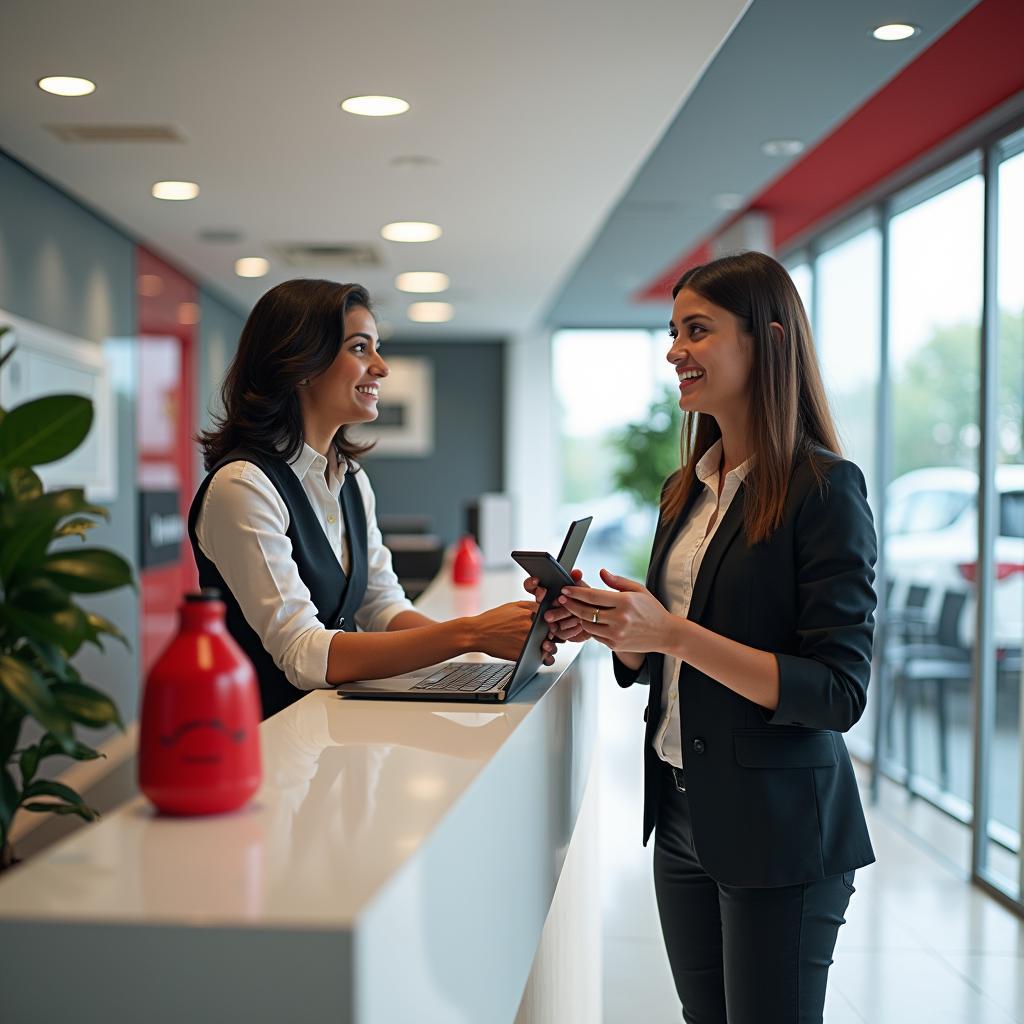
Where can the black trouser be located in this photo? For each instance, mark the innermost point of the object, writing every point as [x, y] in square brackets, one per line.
[741, 955]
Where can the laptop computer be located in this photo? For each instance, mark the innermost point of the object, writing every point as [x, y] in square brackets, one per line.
[490, 682]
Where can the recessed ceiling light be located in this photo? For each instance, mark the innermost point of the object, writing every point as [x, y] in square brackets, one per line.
[422, 281]
[374, 106]
[414, 160]
[64, 85]
[188, 313]
[895, 32]
[176, 190]
[728, 200]
[411, 231]
[782, 147]
[251, 266]
[431, 312]
[151, 285]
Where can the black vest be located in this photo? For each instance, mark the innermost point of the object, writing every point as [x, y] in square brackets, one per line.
[335, 596]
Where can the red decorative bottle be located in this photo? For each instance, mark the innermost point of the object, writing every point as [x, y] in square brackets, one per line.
[199, 750]
[467, 562]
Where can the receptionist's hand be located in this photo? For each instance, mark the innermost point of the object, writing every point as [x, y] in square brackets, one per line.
[500, 632]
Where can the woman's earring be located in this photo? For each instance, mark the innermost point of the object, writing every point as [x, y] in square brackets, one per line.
[304, 382]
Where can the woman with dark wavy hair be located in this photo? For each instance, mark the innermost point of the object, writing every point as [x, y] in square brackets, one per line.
[754, 631]
[284, 524]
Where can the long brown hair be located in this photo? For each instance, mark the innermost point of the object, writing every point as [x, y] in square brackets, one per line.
[789, 414]
[294, 332]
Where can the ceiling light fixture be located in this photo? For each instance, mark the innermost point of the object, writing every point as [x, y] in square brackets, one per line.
[177, 191]
[374, 106]
[188, 313]
[410, 231]
[65, 85]
[895, 32]
[251, 266]
[422, 281]
[782, 147]
[431, 312]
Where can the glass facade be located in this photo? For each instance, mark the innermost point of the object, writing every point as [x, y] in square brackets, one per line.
[914, 297]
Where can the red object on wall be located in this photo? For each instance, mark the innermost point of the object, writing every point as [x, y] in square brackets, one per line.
[199, 743]
[966, 72]
[168, 311]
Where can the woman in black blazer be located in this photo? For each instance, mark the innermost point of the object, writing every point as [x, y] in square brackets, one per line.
[754, 631]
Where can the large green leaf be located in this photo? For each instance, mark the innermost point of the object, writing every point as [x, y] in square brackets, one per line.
[26, 688]
[24, 548]
[67, 627]
[49, 746]
[53, 661]
[44, 430]
[88, 571]
[87, 705]
[28, 763]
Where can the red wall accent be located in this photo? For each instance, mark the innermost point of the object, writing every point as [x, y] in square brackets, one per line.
[975, 66]
[164, 425]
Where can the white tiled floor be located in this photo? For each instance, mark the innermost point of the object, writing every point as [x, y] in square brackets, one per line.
[921, 946]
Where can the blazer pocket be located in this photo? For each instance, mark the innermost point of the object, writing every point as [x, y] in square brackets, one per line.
[764, 749]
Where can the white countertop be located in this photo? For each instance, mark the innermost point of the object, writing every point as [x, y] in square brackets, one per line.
[351, 790]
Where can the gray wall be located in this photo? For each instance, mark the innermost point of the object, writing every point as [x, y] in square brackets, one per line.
[468, 457]
[63, 267]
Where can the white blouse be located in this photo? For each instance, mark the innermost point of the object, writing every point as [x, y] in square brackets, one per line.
[678, 577]
[242, 528]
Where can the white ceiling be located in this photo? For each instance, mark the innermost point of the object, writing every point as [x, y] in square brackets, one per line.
[538, 113]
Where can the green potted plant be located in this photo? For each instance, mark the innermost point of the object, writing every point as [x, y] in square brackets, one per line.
[41, 625]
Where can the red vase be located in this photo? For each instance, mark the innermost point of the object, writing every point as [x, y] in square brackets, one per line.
[467, 562]
[199, 749]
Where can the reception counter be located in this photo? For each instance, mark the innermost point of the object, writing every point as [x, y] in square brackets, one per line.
[402, 862]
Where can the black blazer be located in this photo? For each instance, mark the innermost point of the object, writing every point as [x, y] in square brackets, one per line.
[773, 798]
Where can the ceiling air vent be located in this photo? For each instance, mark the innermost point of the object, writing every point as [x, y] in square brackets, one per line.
[116, 133]
[327, 254]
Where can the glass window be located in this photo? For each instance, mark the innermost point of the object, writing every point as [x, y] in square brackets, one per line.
[934, 364]
[1003, 760]
[618, 401]
[848, 338]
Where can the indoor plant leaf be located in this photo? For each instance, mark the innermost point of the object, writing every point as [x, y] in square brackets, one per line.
[48, 787]
[87, 571]
[79, 526]
[44, 430]
[97, 625]
[24, 484]
[8, 804]
[47, 807]
[27, 689]
[87, 705]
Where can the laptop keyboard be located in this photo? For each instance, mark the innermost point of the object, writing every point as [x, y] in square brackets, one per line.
[466, 678]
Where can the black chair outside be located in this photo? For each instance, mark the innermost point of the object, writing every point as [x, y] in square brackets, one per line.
[927, 658]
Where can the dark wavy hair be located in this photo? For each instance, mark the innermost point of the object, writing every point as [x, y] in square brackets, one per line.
[294, 332]
[789, 414]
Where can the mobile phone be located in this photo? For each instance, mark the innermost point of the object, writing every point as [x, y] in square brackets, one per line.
[549, 572]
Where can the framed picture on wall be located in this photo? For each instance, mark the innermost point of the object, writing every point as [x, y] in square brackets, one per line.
[405, 412]
[49, 362]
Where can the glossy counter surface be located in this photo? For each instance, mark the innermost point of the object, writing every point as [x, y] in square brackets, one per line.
[412, 840]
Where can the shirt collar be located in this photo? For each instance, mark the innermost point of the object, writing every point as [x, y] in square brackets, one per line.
[711, 462]
[308, 459]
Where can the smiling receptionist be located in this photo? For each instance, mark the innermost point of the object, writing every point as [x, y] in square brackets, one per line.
[284, 523]
[754, 631]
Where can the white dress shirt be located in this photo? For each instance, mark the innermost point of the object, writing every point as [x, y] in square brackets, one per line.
[242, 528]
[678, 577]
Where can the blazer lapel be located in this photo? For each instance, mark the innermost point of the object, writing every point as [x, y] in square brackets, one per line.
[665, 536]
[724, 536]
